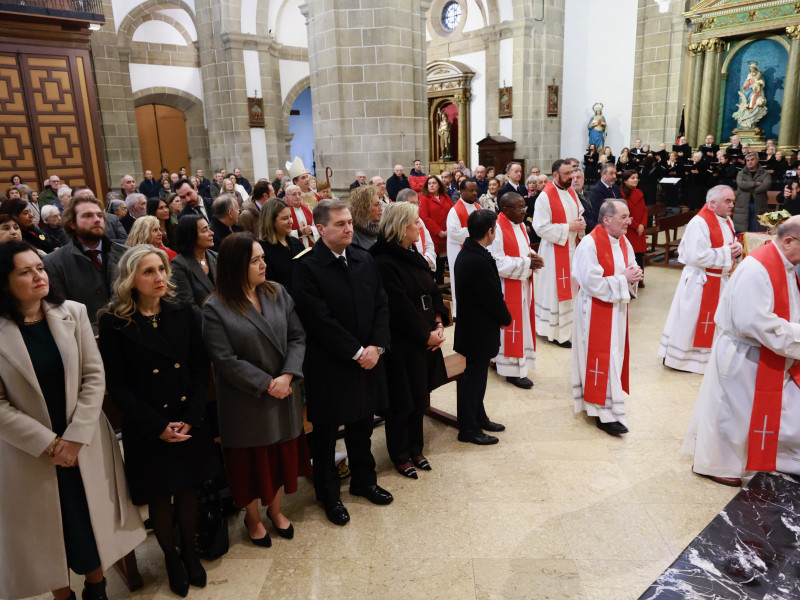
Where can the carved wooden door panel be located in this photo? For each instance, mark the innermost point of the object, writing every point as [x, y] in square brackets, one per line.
[163, 141]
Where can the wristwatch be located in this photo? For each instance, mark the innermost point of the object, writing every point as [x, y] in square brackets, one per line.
[381, 350]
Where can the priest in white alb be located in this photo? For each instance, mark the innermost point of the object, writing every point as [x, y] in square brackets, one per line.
[557, 219]
[516, 263]
[747, 415]
[708, 250]
[457, 229]
[605, 269]
[303, 226]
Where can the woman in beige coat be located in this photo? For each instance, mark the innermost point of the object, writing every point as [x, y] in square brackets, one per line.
[64, 503]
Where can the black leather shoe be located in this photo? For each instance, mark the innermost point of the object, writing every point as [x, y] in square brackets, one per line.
[94, 591]
[264, 542]
[196, 572]
[612, 428]
[178, 579]
[520, 382]
[492, 426]
[421, 463]
[374, 493]
[567, 344]
[287, 533]
[337, 514]
[477, 437]
[407, 470]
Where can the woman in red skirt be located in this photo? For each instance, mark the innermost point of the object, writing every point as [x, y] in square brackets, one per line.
[257, 345]
[638, 210]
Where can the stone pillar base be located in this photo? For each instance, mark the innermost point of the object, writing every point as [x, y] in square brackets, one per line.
[750, 135]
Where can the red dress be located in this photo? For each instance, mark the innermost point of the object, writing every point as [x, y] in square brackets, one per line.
[638, 211]
[433, 212]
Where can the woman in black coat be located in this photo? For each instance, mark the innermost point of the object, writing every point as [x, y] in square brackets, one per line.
[280, 247]
[590, 163]
[157, 375]
[417, 316]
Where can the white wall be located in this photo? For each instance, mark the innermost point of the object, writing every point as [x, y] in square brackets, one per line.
[291, 72]
[476, 61]
[121, 9]
[599, 55]
[182, 17]
[474, 17]
[158, 32]
[290, 26]
[258, 138]
[181, 78]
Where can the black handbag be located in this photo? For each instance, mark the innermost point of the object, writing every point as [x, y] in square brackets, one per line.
[212, 525]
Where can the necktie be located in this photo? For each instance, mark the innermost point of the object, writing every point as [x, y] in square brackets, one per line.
[342, 261]
[94, 256]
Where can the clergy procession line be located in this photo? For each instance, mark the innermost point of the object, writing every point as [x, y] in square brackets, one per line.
[344, 298]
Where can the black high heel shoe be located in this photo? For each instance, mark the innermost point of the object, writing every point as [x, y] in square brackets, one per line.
[421, 463]
[178, 579]
[265, 542]
[407, 470]
[287, 533]
[195, 571]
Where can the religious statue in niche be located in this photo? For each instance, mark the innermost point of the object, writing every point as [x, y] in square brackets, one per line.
[752, 105]
[597, 127]
[443, 132]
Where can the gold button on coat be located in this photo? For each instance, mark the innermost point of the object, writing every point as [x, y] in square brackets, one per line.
[177, 365]
[183, 398]
[155, 371]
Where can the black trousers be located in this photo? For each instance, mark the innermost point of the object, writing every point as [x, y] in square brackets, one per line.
[471, 412]
[441, 263]
[404, 435]
[357, 439]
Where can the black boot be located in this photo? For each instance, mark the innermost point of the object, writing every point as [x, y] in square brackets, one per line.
[94, 591]
[71, 596]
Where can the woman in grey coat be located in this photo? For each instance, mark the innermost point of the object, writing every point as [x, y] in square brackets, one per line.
[257, 345]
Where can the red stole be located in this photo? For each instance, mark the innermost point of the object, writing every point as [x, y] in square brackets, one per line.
[765, 421]
[561, 252]
[513, 341]
[461, 211]
[704, 330]
[598, 358]
[296, 224]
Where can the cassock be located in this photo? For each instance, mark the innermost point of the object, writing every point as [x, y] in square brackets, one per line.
[425, 245]
[704, 276]
[301, 217]
[554, 306]
[602, 303]
[517, 341]
[730, 434]
[456, 234]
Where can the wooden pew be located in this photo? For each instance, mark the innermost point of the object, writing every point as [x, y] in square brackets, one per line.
[669, 225]
[455, 365]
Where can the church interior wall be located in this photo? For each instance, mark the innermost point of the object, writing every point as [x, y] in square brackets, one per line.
[476, 61]
[258, 138]
[605, 76]
[291, 72]
[290, 25]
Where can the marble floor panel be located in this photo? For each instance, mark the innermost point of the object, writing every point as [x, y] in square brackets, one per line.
[558, 509]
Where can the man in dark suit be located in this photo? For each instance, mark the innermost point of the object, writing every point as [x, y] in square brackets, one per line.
[709, 150]
[398, 181]
[137, 207]
[514, 183]
[203, 184]
[226, 214]
[192, 203]
[603, 189]
[361, 179]
[149, 186]
[345, 313]
[85, 269]
[480, 318]
[684, 151]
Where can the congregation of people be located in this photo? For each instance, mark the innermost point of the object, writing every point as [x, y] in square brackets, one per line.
[298, 300]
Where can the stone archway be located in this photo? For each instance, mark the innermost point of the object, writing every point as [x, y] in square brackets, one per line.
[293, 94]
[449, 84]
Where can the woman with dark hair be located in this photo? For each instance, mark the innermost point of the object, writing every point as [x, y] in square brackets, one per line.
[157, 375]
[16, 179]
[257, 344]
[19, 209]
[194, 270]
[175, 208]
[9, 229]
[414, 364]
[280, 247]
[166, 188]
[62, 505]
[159, 209]
[489, 200]
[434, 205]
[638, 211]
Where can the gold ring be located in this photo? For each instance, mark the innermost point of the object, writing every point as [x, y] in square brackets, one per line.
[68, 462]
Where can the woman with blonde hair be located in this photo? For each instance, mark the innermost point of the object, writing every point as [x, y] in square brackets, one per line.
[280, 247]
[147, 230]
[365, 207]
[157, 375]
[417, 316]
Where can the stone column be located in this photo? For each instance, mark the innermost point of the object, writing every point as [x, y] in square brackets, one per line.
[462, 100]
[492, 41]
[787, 135]
[693, 108]
[368, 91]
[707, 119]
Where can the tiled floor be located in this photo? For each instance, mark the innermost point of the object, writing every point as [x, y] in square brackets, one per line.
[557, 510]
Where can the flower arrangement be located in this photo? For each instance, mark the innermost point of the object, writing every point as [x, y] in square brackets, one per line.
[771, 220]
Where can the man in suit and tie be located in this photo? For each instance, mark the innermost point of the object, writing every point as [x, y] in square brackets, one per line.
[605, 188]
[482, 312]
[345, 313]
[514, 184]
[192, 203]
[361, 179]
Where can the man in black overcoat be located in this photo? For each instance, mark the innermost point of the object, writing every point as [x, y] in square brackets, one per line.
[603, 190]
[477, 334]
[345, 313]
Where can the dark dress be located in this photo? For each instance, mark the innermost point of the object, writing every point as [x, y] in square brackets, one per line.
[82, 555]
[156, 376]
[278, 257]
[412, 371]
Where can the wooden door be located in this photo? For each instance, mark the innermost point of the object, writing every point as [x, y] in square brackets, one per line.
[162, 138]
